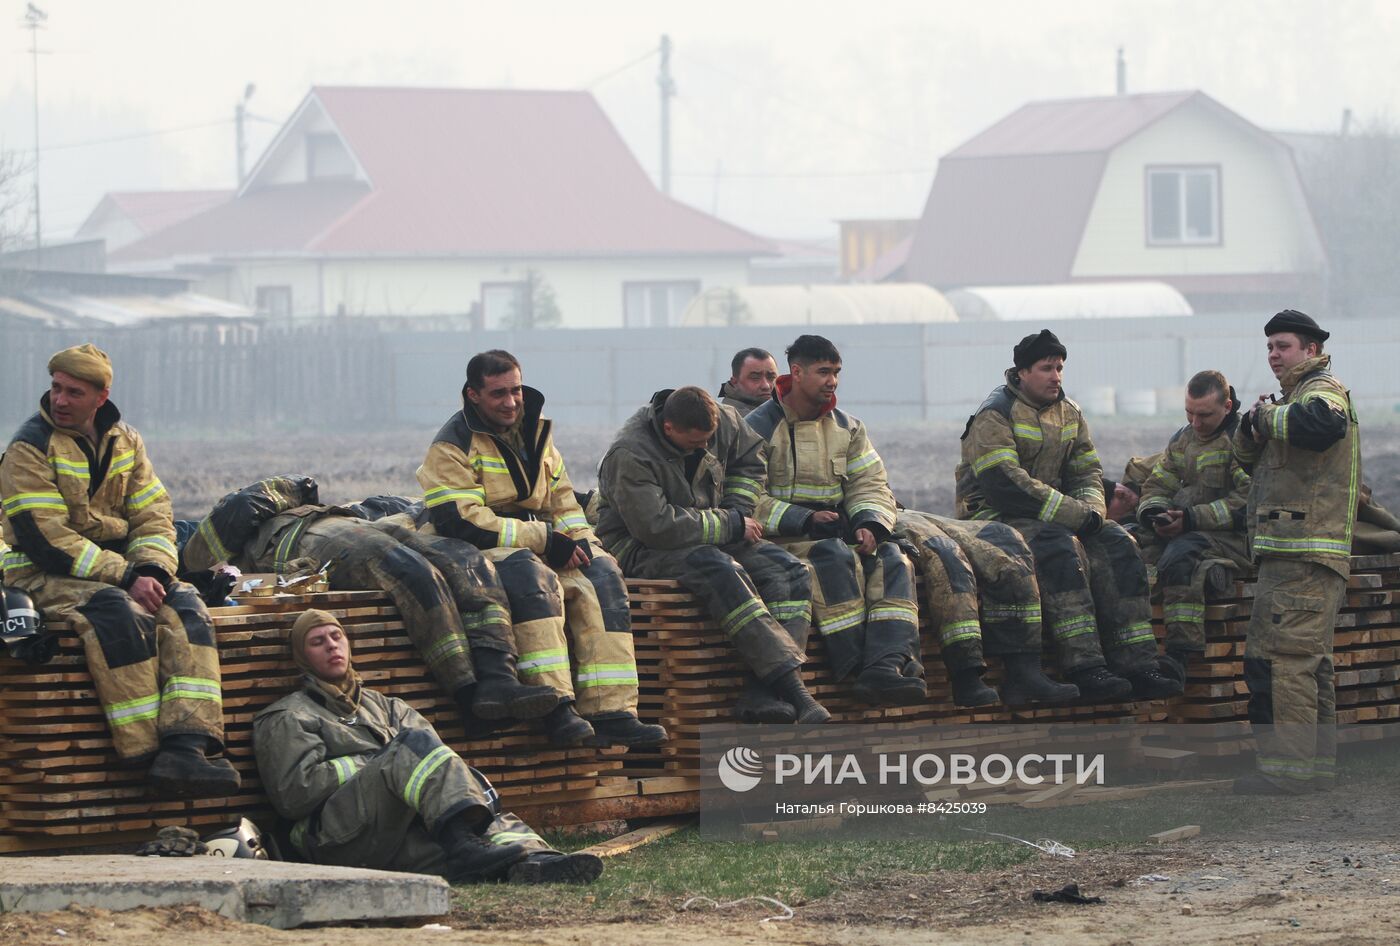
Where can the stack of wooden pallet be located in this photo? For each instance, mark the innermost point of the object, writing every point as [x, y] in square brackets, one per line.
[1366, 658]
[59, 778]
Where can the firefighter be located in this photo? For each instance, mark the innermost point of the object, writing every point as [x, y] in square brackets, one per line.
[1304, 454]
[449, 596]
[1192, 517]
[493, 478]
[678, 490]
[753, 372]
[1028, 461]
[982, 596]
[367, 782]
[92, 541]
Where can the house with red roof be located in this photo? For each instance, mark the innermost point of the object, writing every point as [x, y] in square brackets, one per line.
[407, 202]
[1172, 186]
[123, 217]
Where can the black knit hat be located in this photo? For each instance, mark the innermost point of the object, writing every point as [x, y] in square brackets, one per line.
[1299, 323]
[1032, 348]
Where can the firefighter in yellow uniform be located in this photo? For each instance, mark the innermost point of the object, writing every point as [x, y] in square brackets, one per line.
[93, 542]
[1192, 517]
[493, 478]
[1028, 461]
[1304, 454]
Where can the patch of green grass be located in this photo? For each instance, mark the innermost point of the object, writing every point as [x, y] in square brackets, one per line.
[686, 865]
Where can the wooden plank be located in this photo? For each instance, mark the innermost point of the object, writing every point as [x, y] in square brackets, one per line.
[635, 839]
[1175, 834]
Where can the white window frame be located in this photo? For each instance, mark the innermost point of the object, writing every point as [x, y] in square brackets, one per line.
[648, 318]
[1182, 172]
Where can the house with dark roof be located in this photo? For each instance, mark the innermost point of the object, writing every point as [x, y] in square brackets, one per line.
[388, 202]
[1171, 186]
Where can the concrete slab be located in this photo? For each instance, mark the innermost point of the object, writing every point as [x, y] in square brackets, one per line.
[272, 893]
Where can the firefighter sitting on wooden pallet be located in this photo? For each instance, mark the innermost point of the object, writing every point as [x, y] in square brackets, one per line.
[92, 541]
[493, 478]
[367, 782]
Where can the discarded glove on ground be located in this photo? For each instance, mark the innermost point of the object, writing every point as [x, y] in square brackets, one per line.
[173, 841]
[1069, 893]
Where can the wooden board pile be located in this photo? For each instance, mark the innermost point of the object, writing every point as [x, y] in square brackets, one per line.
[59, 778]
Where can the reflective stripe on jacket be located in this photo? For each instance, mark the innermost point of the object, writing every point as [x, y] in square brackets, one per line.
[1201, 476]
[72, 509]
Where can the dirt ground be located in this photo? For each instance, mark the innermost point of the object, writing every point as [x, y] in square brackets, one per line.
[920, 460]
[1203, 892]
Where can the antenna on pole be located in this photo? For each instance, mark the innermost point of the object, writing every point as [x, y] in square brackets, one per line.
[240, 114]
[34, 19]
[668, 92]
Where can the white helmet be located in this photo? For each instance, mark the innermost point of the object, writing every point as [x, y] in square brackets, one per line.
[242, 841]
[22, 628]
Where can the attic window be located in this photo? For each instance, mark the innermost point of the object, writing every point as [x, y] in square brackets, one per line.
[327, 159]
[1183, 206]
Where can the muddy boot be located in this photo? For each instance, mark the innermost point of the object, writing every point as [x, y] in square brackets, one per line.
[471, 857]
[181, 769]
[1098, 685]
[1175, 664]
[624, 729]
[1153, 684]
[543, 867]
[499, 692]
[884, 684]
[476, 727]
[1026, 683]
[759, 704]
[969, 690]
[565, 727]
[794, 692]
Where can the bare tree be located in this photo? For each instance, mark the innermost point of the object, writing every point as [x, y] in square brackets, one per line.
[536, 306]
[15, 207]
[1353, 185]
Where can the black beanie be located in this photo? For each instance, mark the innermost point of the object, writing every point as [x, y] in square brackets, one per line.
[1032, 348]
[1299, 323]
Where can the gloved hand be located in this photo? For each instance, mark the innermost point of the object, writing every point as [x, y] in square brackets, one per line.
[822, 530]
[1091, 526]
[558, 549]
[173, 841]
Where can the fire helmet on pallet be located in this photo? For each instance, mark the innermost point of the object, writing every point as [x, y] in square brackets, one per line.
[22, 628]
[242, 841]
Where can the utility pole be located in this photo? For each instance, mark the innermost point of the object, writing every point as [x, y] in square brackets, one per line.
[1121, 86]
[668, 92]
[240, 114]
[34, 21]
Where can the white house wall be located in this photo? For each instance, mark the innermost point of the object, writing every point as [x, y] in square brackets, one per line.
[588, 292]
[1264, 226]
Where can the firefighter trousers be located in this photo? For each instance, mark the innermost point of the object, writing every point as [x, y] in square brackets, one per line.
[156, 675]
[757, 594]
[364, 556]
[1182, 564]
[967, 564]
[592, 602]
[1095, 596]
[386, 814]
[862, 605]
[1288, 669]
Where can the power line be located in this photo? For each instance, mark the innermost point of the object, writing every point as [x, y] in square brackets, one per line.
[134, 136]
[883, 172]
[795, 103]
[621, 69]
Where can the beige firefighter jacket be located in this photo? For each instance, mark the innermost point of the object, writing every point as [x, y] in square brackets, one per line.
[730, 396]
[646, 498]
[72, 508]
[305, 751]
[1307, 472]
[1200, 476]
[479, 488]
[1023, 461]
[826, 463]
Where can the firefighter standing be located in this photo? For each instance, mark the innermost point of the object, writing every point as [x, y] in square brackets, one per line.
[492, 477]
[1028, 460]
[1304, 454]
[93, 541]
